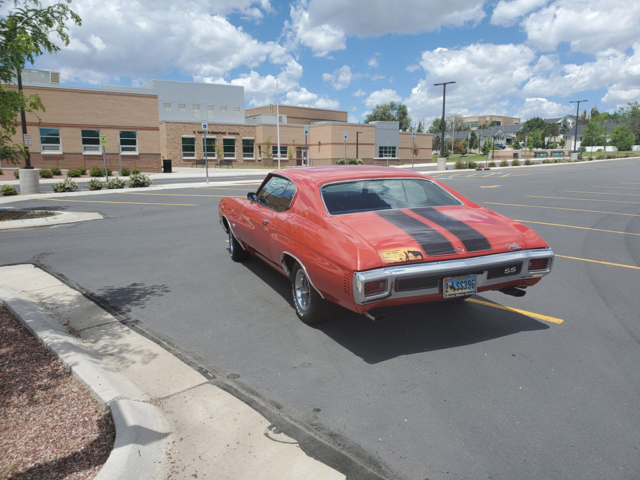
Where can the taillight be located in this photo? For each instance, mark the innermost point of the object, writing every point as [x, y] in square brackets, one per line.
[538, 264]
[375, 288]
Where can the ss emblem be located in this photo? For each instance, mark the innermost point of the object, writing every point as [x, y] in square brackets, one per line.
[508, 271]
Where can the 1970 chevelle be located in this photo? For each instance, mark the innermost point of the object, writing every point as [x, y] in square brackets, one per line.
[372, 237]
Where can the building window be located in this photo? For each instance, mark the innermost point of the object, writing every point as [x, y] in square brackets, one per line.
[283, 151]
[90, 140]
[386, 152]
[223, 109]
[247, 148]
[50, 140]
[182, 107]
[188, 147]
[167, 105]
[128, 141]
[209, 148]
[236, 109]
[259, 151]
[210, 111]
[196, 110]
[229, 147]
[473, 124]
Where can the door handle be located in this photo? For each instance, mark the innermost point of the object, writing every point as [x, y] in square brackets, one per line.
[265, 222]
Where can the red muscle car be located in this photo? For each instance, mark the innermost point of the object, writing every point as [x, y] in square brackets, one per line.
[371, 237]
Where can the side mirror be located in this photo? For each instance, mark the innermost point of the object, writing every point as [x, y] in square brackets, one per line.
[251, 196]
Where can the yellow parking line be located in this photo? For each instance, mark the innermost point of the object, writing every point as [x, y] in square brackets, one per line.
[224, 188]
[580, 228]
[604, 193]
[472, 175]
[489, 186]
[561, 208]
[506, 175]
[584, 199]
[125, 203]
[179, 194]
[517, 310]
[597, 261]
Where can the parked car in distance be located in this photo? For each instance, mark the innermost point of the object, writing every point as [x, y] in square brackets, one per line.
[366, 238]
[501, 145]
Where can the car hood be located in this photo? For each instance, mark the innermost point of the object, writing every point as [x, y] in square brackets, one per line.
[431, 234]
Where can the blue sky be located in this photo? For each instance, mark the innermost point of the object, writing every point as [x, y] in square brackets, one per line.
[512, 57]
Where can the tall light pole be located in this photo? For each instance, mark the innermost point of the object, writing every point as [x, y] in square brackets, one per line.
[278, 122]
[23, 121]
[357, 133]
[444, 96]
[575, 136]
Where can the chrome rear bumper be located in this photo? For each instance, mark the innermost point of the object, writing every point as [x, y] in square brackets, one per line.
[478, 265]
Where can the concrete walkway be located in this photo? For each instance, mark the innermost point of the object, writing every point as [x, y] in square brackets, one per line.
[171, 420]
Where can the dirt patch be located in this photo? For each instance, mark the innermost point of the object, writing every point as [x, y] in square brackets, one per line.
[6, 215]
[50, 425]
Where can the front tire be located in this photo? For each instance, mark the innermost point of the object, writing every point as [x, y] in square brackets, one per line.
[310, 307]
[238, 254]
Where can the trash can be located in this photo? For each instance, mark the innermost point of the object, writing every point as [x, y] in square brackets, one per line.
[516, 154]
[166, 166]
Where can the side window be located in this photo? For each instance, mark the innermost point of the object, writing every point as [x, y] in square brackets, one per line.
[272, 192]
[287, 197]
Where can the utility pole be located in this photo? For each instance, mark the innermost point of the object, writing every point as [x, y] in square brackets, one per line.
[278, 121]
[468, 148]
[444, 96]
[413, 148]
[575, 135]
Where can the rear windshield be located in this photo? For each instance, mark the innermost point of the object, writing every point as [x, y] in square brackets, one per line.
[383, 194]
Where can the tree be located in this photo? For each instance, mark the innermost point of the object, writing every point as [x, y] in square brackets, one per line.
[553, 130]
[459, 147]
[26, 33]
[269, 150]
[537, 138]
[622, 138]
[488, 145]
[562, 142]
[630, 116]
[420, 128]
[516, 145]
[458, 120]
[474, 140]
[436, 143]
[436, 126]
[391, 112]
[564, 126]
[583, 120]
[593, 134]
[535, 123]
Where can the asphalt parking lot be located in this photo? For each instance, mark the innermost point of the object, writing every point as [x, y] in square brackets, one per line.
[544, 386]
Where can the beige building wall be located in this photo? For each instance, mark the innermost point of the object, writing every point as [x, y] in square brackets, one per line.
[423, 142]
[488, 119]
[301, 115]
[72, 110]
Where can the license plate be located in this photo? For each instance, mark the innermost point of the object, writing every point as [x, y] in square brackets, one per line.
[459, 286]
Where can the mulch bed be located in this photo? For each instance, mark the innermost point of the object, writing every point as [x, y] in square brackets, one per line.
[50, 426]
[6, 215]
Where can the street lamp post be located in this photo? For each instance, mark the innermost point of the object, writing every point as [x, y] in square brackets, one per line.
[444, 96]
[23, 120]
[357, 133]
[575, 135]
[278, 121]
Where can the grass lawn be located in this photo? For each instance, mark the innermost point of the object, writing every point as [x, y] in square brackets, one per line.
[600, 155]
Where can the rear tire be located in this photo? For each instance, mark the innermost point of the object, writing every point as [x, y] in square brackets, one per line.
[238, 254]
[310, 307]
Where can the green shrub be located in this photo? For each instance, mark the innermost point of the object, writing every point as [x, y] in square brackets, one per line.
[139, 180]
[354, 161]
[99, 172]
[504, 163]
[116, 183]
[16, 173]
[82, 169]
[67, 185]
[556, 161]
[528, 162]
[95, 184]
[546, 160]
[125, 172]
[460, 165]
[492, 164]
[339, 162]
[473, 165]
[56, 171]
[74, 172]
[8, 191]
[45, 173]
[1, 172]
[515, 163]
[135, 171]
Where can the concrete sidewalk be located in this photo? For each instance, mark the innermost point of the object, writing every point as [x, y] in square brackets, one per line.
[171, 420]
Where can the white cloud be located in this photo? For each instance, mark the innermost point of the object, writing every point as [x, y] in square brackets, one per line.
[322, 39]
[155, 38]
[373, 63]
[304, 98]
[382, 96]
[353, 119]
[589, 26]
[376, 77]
[541, 107]
[359, 93]
[340, 78]
[507, 13]
[412, 67]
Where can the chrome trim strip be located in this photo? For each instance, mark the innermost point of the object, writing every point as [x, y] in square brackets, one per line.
[386, 178]
[483, 262]
[286, 270]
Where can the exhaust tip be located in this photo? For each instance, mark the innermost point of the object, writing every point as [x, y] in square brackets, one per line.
[513, 291]
[376, 317]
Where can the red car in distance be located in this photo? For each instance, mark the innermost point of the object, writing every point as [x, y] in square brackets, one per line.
[366, 238]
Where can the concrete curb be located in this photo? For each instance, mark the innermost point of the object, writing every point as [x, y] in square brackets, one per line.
[59, 218]
[140, 427]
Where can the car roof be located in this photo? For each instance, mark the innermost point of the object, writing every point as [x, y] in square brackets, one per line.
[320, 175]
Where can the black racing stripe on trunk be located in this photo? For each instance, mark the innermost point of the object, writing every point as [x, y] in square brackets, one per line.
[472, 239]
[432, 242]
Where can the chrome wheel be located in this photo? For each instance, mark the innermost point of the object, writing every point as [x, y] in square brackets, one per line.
[302, 290]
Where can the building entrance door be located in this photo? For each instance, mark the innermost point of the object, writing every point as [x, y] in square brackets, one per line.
[301, 159]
